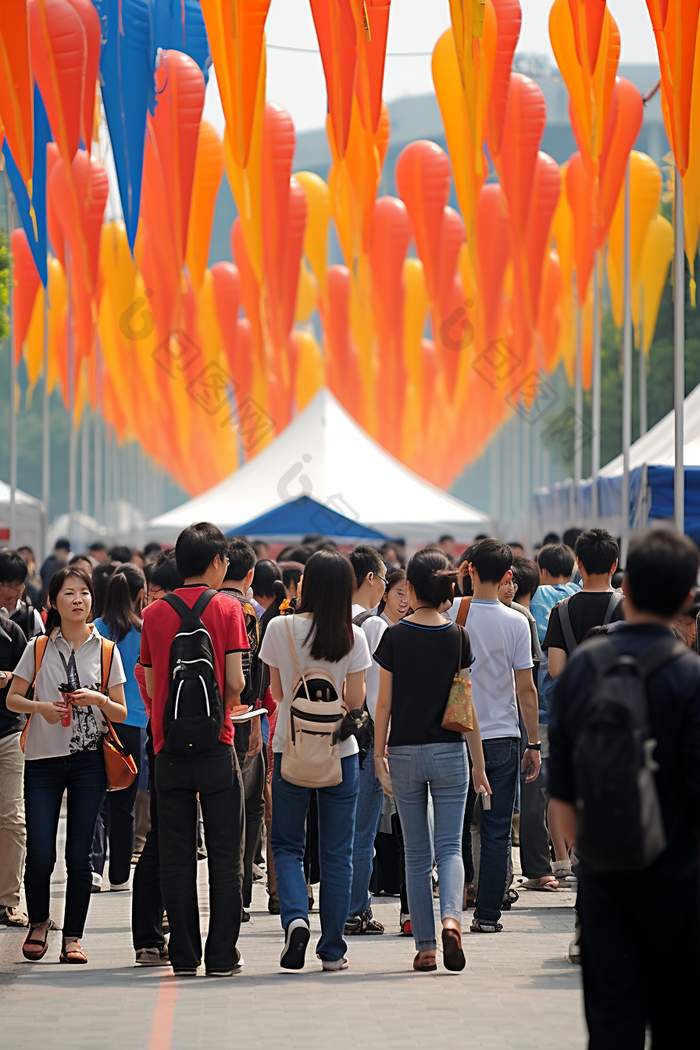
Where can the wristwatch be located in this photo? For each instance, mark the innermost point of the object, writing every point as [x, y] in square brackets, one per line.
[534, 747]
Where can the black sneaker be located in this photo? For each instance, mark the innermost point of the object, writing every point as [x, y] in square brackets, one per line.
[245, 917]
[294, 951]
[273, 906]
[485, 927]
[365, 923]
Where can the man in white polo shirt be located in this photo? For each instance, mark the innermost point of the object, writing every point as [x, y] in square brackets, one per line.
[501, 680]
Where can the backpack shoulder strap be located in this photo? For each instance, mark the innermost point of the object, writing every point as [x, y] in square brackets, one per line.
[106, 661]
[659, 655]
[175, 602]
[202, 602]
[361, 617]
[463, 611]
[566, 628]
[295, 659]
[615, 598]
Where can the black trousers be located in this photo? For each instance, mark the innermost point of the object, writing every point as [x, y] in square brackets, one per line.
[535, 858]
[214, 776]
[253, 776]
[641, 961]
[147, 898]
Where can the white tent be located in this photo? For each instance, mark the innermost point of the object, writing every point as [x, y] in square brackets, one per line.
[29, 521]
[657, 446]
[324, 454]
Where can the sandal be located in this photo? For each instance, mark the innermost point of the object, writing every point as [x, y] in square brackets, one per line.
[44, 945]
[423, 967]
[547, 884]
[452, 949]
[76, 956]
[469, 896]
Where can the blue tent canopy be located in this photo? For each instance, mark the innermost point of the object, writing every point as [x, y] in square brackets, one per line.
[306, 515]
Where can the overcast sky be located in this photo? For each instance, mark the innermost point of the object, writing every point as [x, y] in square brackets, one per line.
[295, 80]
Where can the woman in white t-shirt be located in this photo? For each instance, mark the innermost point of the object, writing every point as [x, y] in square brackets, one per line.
[323, 636]
[63, 752]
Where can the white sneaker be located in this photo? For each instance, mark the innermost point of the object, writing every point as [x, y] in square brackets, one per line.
[96, 882]
[117, 887]
[335, 964]
[294, 951]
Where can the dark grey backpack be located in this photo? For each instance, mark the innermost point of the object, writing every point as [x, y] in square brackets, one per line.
[620, 827]
[565, 619]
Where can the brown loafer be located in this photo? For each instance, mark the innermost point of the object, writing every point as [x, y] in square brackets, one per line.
[423, 967]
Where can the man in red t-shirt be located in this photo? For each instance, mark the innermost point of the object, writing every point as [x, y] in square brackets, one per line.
[211, 775]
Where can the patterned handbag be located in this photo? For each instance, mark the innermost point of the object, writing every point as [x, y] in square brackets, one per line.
[459, 710]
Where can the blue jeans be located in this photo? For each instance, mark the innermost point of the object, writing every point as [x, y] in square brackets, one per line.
[502, 760]
[45, 780]
[444, 768]
[369, 812]
[336, 828]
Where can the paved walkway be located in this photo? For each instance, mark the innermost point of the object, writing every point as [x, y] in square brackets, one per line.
[518, 991]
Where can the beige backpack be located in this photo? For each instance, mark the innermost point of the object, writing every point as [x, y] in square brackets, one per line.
[310, 758]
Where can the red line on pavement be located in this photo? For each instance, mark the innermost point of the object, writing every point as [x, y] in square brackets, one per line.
[164, 1015]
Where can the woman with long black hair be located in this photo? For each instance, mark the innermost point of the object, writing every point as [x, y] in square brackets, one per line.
[121, 621]
[63, 751]
[322, 636]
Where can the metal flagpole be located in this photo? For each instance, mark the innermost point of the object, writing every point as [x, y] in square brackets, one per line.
[578, 410]
[642, 369]
[626, 378]
[72, 435]
[679, 356]
[97, 468]
[84, 463]
[596, 385]
[12, 435]
[46, 429]
[495, 482]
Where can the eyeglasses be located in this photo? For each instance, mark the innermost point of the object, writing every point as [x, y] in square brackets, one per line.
[383, 579]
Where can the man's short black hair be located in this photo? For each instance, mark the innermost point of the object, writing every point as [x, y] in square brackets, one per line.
[97, 546]
[241, 559]
[597, 551]
[491, 558]
[165, 573]
[150, 548]
[557, 559]
[446, 539]
[365, 560]
[266, 572]
[526, 575]
[662, 569]
[62, 545]
[13, 567]
[550, 538]
[571, 535]
[300, 554]
[25, 548]
[292, 572]
[197, 546]
[120, 552]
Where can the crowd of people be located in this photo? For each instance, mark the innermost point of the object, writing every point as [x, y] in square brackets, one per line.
[369, 722]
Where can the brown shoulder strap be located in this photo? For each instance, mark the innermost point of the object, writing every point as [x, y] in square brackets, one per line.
[106, 658]
[39, 652]
[463, 611]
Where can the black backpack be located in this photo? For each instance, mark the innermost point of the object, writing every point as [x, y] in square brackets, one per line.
[616, 597]
[193, 716]
[620, 827]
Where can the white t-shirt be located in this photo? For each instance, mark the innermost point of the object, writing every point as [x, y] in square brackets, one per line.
[374, 627]
[274, 651]
[500, 640]
[87, 723]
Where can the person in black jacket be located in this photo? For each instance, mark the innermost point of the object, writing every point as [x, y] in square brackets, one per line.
[641, 968]
[12, 831]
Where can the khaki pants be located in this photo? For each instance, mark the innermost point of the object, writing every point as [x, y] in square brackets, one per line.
[12, 831]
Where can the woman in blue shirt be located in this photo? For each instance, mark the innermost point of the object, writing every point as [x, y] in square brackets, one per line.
[121, 621]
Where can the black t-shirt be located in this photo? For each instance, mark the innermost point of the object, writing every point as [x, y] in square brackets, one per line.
[587, 609]
[423, 661]
[12, 645]
[673, 696]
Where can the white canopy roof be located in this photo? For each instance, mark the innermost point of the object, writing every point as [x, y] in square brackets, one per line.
[28, 519]
[656, 447]
[323, 453]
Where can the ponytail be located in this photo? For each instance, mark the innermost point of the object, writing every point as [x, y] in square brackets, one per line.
[431, 576]
[120, 613]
